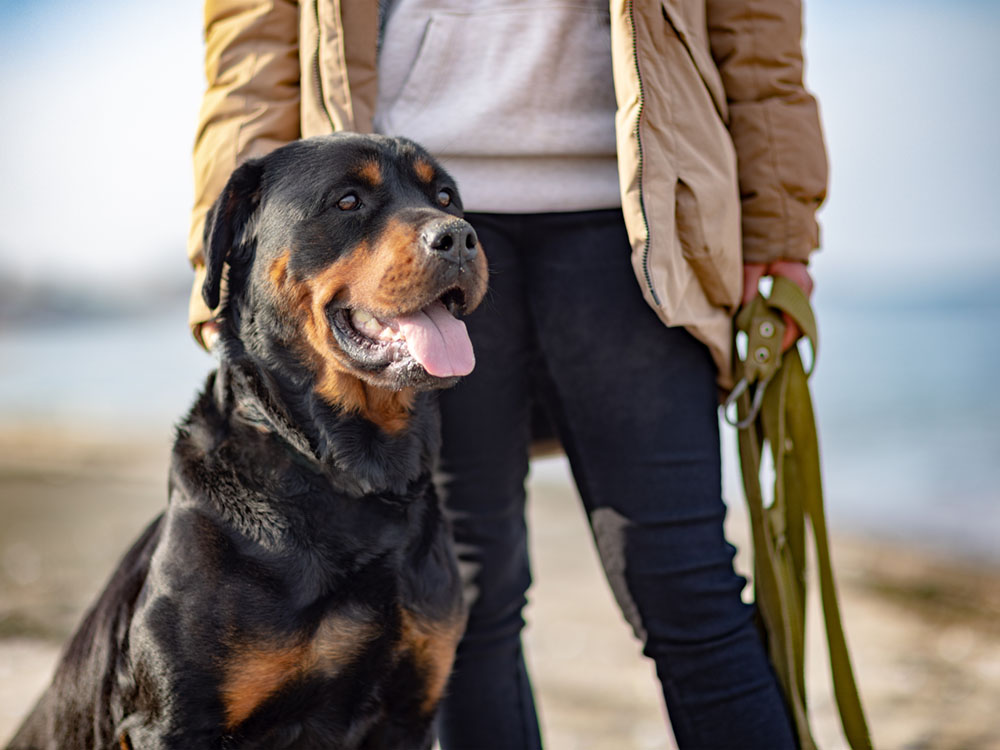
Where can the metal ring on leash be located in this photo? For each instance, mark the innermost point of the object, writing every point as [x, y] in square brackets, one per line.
[758, 398]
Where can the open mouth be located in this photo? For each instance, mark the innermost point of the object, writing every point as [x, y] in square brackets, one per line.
[432, 336]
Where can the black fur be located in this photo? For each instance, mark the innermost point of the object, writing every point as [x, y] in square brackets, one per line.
[299, 591]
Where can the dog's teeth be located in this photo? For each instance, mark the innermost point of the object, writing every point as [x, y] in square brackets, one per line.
[366, 323]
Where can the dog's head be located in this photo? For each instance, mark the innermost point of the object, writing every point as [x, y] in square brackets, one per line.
[350, 254]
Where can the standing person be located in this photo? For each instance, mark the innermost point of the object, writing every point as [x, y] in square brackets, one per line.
[629, 170]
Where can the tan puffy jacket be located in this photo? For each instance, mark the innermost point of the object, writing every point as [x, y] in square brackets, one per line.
[720, 151]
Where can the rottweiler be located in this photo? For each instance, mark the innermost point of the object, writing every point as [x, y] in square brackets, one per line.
[300, 589]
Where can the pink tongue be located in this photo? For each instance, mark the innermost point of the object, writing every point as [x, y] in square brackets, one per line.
[438, 341]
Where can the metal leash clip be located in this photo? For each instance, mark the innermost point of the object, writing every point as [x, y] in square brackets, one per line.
[758, 398]
[764, 329]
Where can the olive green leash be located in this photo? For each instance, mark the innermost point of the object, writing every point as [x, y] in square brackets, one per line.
[774, 412]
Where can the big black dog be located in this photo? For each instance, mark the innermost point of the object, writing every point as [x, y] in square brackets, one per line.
[299, 591]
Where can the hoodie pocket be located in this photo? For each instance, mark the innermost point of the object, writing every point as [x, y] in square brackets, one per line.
[500, 81]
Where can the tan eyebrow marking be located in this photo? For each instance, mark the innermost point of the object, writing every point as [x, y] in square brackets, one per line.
[371, 172]
[424, 170]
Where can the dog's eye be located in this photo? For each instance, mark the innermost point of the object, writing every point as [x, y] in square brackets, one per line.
[444, 197]
[349, 202]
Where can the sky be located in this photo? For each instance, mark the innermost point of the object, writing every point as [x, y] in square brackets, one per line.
[100, 100]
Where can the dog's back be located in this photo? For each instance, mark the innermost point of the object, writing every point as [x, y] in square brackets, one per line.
[76, 710]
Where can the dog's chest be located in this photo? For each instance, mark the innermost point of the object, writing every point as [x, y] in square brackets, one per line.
[396, 661]
[392, 617]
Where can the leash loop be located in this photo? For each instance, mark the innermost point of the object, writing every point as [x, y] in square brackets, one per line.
[774, 415]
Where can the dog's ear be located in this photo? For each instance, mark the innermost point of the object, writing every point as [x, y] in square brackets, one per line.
[225, 225]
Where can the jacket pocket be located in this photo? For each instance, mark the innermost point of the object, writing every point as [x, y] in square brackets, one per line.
[697, 49]
[710, 265]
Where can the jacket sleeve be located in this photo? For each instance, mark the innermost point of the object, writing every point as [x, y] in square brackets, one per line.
[774, 123]
[250, 106]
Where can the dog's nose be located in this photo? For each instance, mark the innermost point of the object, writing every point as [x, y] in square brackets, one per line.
[454, 239]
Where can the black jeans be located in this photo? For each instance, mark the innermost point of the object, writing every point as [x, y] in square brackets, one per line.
[634, 404]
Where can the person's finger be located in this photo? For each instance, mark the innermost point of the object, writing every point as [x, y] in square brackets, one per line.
[752, 274]
[794, 270]
[792, 333]
[797, 272]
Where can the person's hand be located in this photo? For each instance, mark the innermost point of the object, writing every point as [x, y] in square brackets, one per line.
[791, 269]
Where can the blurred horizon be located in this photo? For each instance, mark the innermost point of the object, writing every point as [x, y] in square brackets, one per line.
[102, 103]
[105, 99]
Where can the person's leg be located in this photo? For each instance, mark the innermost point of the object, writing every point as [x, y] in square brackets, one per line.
[635, 406]
[481, 473]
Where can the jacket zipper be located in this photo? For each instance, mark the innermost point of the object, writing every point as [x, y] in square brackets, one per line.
[638, 139]
[316, 68]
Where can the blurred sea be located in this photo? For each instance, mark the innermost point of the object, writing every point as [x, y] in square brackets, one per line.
[908, 402]
[906, 391]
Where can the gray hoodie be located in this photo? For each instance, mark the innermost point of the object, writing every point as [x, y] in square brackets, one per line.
[515, 97]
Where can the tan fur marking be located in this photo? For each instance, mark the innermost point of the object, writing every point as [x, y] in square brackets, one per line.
[424, 170]
[432, 645]
[279, 269]
[306, 301]
[371, 173]
[387, 278]
[255, 675]
[255, 672]
[340, 639]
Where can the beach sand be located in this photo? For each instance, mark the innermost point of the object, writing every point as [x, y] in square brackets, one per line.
[924, 630]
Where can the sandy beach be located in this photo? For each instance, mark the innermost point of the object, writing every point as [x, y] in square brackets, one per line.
[924, 630]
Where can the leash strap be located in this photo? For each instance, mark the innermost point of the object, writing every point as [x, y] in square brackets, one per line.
[775, 413]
